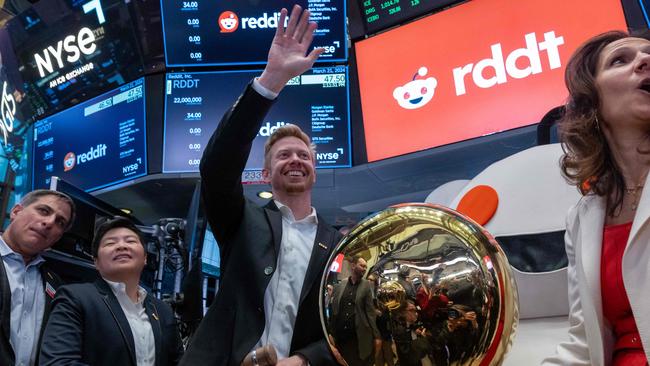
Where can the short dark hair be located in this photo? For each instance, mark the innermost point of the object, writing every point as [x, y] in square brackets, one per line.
[404, 272]
[110, 224]
[34, 195]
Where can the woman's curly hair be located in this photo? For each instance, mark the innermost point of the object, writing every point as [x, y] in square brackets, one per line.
[588, 162]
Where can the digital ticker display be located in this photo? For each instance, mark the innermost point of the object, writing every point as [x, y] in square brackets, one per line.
[95, 144]
[232, 32]
[317, 101]
[381, 14]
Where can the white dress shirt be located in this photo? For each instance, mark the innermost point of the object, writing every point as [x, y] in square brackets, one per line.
[27, 303]
[282, 296]
[145, 344]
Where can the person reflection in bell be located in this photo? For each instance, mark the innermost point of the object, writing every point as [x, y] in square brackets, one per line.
[384, 355]
[384, 348]
[412, 339]
[431, 300]
[461, 332]
[403, 279]
[434, 314]
[328, 299]
[354, 317]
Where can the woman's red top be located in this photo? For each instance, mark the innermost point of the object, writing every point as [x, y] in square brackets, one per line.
[628, 350]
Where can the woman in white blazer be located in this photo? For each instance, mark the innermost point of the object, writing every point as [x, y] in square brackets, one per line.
[606, 137]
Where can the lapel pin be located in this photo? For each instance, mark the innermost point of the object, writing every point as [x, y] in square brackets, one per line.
[322, 245]
[155, 316]
[49, 289]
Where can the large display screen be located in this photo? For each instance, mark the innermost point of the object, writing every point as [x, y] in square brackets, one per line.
[317, 101]
[381, 14]
[231, 32]
[502, 69]
[71, 50]
[95, 144]
[13, 127]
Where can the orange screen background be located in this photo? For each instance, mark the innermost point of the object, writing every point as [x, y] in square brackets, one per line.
[463, 35]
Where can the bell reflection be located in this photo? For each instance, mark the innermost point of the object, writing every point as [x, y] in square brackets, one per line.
[419, 285]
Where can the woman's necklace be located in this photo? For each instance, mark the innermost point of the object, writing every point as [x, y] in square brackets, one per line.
[634, 193]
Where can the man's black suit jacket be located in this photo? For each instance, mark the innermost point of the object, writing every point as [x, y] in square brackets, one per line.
[88, 327]
[7, 356]
[249, 238]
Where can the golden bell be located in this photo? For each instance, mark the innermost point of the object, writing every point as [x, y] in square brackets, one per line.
[422, 285]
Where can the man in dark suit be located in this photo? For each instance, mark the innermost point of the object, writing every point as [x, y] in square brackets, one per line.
[274, 256]
[112, 321]
[27, 285]
[404, 280]
[354, 317]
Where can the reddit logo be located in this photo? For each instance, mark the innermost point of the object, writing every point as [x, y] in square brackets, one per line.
[228, 22]
[69, 161]
[417, 92]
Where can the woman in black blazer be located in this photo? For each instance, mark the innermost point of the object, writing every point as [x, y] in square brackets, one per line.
[112, 321]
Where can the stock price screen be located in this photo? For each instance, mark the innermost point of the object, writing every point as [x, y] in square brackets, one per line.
[94, 144]
[317, 101]
[238, 32]
[381, 14]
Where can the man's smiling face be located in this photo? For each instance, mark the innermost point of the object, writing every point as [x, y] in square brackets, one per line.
[291, 169]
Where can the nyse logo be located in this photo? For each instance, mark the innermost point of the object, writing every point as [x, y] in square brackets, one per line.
[71, 159]
[72, 46]
[7, 112]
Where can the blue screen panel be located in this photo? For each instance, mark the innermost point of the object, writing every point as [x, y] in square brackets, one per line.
[317, 101]
[232, 32]
[96, 143]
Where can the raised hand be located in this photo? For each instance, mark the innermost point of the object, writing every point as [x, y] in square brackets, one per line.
[288, 55]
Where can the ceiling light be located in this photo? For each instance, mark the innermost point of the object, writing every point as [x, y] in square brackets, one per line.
[265, 194]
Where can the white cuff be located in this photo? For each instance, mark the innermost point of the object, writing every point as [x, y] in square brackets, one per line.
[266, 93]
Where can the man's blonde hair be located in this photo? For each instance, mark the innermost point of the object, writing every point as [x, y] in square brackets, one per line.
[287, 130]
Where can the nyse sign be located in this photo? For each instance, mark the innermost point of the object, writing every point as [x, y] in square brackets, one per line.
[70, 48]
[84, 42]
[7, 112]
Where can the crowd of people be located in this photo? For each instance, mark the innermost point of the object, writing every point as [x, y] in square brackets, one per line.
[419, 323]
